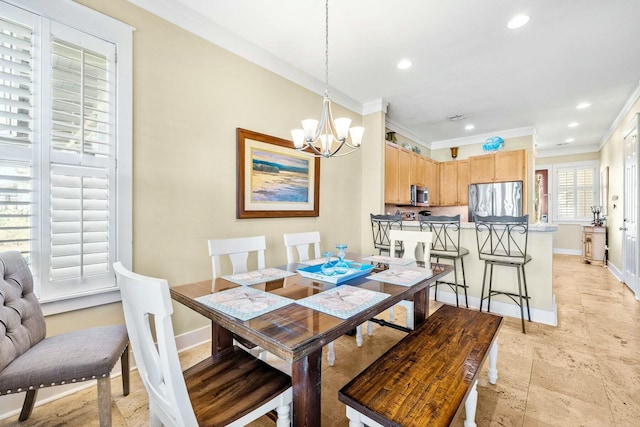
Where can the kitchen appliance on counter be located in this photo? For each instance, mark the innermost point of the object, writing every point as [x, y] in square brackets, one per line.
[419, 196]
[497, 199]
[424, 213]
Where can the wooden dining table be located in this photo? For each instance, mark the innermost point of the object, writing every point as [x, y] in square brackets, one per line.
[299, 326]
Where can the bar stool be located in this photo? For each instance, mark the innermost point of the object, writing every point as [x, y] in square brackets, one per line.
[380, 226]
[502, 241]
[446, 244]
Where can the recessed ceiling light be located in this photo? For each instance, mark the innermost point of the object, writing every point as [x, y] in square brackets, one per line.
[574, 124]
[404, 64]
[569, 140]
[518, 21]
[583, 105]
[469, 127]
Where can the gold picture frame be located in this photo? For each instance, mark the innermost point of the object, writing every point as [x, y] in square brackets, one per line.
[275, 180]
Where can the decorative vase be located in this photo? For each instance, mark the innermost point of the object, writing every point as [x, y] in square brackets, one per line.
[328, 268]
[341, 266]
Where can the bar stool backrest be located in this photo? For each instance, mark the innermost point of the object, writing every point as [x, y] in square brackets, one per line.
[446, 233]
[502, 237]
[380, 226]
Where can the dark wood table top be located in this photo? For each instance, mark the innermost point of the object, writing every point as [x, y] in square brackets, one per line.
[294, 331]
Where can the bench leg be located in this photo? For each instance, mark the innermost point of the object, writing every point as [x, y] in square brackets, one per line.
[27, 406]
[359, 335]
[470, 406]
[493, 362]
[356, 419]
[104, 401]
[124, 363]
[331, 354]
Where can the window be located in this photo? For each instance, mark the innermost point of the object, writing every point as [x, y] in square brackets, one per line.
[65, 140]
[575, 191]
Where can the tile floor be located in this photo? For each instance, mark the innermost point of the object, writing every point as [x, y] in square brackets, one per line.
[585, 372]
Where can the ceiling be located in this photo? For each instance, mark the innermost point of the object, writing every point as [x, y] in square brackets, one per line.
[465, 61]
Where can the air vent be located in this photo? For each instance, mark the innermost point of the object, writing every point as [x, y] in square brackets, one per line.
[456, 117]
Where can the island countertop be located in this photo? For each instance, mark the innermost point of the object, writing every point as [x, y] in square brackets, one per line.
[539, 274]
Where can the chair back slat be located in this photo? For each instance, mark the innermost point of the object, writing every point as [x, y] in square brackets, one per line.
[380, 227]
[502, 237]
[416, 244]
[158, 365]
[302, 242]
[446, 232]
[238, 250]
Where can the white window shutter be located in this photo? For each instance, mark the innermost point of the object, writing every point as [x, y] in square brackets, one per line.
[16, 134]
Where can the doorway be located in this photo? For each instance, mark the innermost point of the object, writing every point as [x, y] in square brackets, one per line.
[630, 208]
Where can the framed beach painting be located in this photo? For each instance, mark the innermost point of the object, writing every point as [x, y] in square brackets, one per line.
[275, 180]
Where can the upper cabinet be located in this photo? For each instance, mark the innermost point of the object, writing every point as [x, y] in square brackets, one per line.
[397, 174]
[432, 175]
[498, 167]
[454, 183]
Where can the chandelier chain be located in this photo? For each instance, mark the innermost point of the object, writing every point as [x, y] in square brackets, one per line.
[326, 46]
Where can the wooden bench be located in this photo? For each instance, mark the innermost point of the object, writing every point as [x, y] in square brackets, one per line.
[422, 380]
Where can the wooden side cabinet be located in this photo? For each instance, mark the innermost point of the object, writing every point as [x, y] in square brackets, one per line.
[594, 240]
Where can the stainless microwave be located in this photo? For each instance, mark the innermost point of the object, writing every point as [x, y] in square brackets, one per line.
[419, 196]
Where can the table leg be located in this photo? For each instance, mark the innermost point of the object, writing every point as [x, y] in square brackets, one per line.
[305, 378]
[221, 339]
[420, 306]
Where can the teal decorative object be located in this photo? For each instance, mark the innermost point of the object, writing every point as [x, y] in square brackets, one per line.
[495, 143]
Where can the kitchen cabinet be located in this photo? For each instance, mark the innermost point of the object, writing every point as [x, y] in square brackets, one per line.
[418, 169]
[502, 166]
[397, 174]
[454, 183]
[463, 182]
[593, 244]
[432, 176]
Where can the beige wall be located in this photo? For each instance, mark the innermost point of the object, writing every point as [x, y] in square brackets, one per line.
[189, 98]
[611, 155]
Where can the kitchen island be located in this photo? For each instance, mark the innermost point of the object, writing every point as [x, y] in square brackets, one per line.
[539, 273]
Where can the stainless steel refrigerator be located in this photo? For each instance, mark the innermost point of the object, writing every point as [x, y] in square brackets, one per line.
[500, 199]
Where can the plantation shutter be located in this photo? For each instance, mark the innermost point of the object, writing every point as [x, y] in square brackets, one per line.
[575, 192]
[81, 240]
[16, 133]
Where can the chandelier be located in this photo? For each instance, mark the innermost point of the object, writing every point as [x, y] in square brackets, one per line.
[328, 136]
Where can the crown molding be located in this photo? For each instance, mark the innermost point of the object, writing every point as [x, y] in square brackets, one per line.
[197, 24]
[375, 106]
[399, 129]
[477, 139]
[621, 115]
[568, 151]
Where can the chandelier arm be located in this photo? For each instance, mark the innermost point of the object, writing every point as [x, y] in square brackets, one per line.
[319, 154]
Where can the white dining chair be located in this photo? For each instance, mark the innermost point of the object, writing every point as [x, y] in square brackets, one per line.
[307, 247]
[238, 250]
[232, 390]
[417, 246]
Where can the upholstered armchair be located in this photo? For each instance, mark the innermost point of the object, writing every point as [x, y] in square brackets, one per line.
[30, 361]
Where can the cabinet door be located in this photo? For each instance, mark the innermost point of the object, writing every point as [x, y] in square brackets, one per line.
[390, 174]
[481, 169]
[404, 176]
[417, 169]
[510, 165]
[433, 171]
[448, 183]
[463, 182]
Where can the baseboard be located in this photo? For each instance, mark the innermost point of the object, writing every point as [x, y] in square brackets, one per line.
[561, 251]
[11, 405]
[502, 308]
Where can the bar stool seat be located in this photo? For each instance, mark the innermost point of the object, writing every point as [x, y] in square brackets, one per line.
[502, 241]
[446, 245]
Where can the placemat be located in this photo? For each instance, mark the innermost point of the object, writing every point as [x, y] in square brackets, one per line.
[343, 301]
[402, 276]
[258, 276]
[244, 302]
[389, 260]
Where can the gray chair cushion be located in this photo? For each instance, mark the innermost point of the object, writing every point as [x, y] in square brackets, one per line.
[72, 357]
[22, 324]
